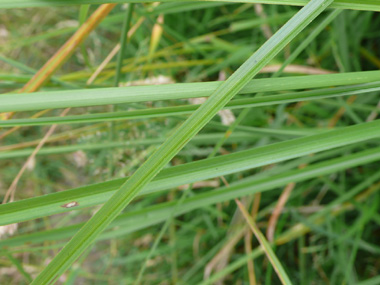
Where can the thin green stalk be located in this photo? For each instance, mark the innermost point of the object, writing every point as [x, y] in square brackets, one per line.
[19, 267]
[119, 64]
[281, 273]
[198, 140]
[83, 12]
[143, 175]
[162, 231]
[123, 42]
[307, 41]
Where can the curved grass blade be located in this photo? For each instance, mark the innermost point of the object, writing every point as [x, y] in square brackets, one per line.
[143, 175]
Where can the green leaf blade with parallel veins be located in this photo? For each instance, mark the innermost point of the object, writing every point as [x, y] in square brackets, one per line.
[139, 219]
[135, 94]
[370, 5]
[191, 172]
[188, 109]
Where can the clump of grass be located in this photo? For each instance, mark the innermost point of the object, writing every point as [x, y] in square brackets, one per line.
[292, 124]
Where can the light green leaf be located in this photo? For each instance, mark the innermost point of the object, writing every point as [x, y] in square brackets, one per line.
[371, 5]
[191, 172]
[182, 110]
[140, 219]
[135, 94]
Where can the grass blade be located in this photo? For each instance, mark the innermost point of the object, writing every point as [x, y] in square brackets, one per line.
[104, 96]
[301, 229]
[188, 109]
[281, 273]
[370, 5]
[123, 42]
[202, 139]
[133, 221]
[191, 172]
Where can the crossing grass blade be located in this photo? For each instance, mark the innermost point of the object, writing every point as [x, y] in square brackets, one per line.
[222, 95]
[281, 273]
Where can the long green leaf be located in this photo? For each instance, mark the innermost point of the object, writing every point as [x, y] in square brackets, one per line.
[371, 5]
[191, 172]
[136, 220]
[134, 94]
[222, 95]
[188, 109]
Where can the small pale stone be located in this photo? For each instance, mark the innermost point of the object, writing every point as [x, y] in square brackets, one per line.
[8, 230]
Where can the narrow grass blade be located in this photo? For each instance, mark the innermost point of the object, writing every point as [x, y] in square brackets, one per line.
[134, 94]
[281, 273]
[300, 229]
[202, 139]
[191, 172]
[188, 109]
[20, 268]
[111, 209]
[140, 219]
[123, 42]
[370, 5]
